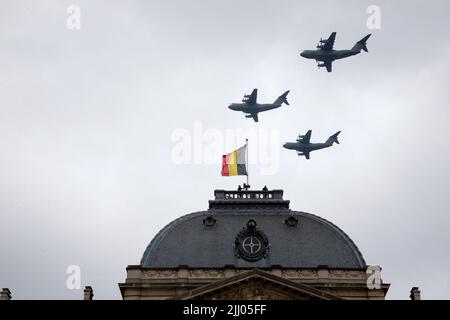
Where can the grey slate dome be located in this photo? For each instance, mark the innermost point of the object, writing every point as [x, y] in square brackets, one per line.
[251, 229]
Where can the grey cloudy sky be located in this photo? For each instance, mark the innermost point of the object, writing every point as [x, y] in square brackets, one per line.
[87, 118]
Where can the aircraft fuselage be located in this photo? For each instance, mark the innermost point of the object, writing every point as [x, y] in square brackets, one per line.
[253, 108]
[327, 55]
[305, 147]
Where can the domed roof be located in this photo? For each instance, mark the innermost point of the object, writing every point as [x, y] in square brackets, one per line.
[251, 229]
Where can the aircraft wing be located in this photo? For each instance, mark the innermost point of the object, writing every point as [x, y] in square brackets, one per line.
[307, 137]
[328, 65]
[251, 99]
[255, 116]
[329, 43]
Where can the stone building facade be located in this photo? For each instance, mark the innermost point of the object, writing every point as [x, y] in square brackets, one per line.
[250, 245]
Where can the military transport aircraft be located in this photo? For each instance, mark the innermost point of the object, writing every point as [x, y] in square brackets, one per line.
[251, 108]
[326, 54]
[304, 147]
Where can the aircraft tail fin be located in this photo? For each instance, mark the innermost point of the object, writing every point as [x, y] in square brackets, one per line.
[334, 138]
[361, 44]
[282, 99]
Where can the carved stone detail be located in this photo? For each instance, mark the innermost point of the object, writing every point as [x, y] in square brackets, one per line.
[294, 274]
[252, 292]
[208, 274]
[160, 274]
[346, 274]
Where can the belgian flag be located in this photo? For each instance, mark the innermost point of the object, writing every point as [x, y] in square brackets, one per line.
[233, 164]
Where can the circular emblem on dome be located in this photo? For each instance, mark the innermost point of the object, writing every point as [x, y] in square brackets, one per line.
[251, 244]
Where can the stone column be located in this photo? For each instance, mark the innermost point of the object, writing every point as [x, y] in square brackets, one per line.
[88, 293]
[415, 294]
[5, 294]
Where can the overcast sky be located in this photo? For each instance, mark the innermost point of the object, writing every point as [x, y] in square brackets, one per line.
[91, 120]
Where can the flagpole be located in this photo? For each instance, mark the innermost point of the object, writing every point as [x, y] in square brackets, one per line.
[246, 151]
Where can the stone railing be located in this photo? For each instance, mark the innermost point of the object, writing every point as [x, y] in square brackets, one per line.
[248, 194]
